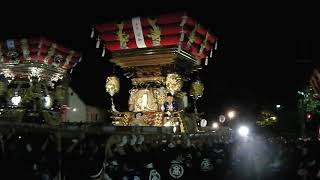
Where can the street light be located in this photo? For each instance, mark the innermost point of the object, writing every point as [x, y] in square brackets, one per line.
[215, 125]
[243, 131]
[231, 114]
[309, 116]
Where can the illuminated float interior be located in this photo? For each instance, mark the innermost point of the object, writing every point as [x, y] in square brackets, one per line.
[32, 85]
[159, 54]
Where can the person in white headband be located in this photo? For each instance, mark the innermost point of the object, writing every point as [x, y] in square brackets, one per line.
[140, 139]
[133, 140]
[123, 141]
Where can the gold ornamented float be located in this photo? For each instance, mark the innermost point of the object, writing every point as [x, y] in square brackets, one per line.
[32, 88]
[159, 55]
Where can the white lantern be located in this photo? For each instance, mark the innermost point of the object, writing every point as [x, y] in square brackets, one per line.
[215, 125]
[174, 129]
[222, 118]
[203, 123]
[15, 100]
[47, 102]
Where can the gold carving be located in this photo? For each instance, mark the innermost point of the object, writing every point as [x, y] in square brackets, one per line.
[142, 100]
[122, 36]
[155, 32]
[192, 36]
[112, 85]
[138, 118]
[140, 81]
[51, 52]
[174, 83]
[197, 89]
[204, 43]
[68, 59]
[25, 49]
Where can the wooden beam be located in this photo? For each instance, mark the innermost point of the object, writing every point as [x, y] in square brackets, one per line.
[145, 57]
[144, 63]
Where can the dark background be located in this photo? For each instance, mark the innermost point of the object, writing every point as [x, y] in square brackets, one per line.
[265, 51]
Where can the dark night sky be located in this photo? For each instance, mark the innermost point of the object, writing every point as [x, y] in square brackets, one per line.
[265, 50]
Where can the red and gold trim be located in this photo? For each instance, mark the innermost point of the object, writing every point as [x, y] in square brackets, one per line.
[170, 30]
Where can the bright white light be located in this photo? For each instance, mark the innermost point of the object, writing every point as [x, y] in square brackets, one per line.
[167, 124]
[231, 114]
[74, 109]
[273, 118]
[16, 100]
[222, 118]
[144, 100]
[215, 125]
[278, 106]
[174, 129]
[203, 123]
[35, 72]
[19, 137]
[47, 102]
[243, 131]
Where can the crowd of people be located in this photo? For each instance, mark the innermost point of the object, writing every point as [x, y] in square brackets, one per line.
[41, 156]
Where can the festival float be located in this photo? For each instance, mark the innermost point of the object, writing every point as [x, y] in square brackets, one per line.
[33, 80]
[160, 55]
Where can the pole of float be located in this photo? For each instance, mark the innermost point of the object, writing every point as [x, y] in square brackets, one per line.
[59, 148]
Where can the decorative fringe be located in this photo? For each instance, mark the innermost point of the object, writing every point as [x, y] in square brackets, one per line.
[182, 36]
[184, 20]
[92, 33]
[179, 48]
[39, 46]
[216, 46]
[98, 42]
[74, 65]
[103, 52]
[207, 60]
[113, 107]
[181, 39]
[211, 52]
